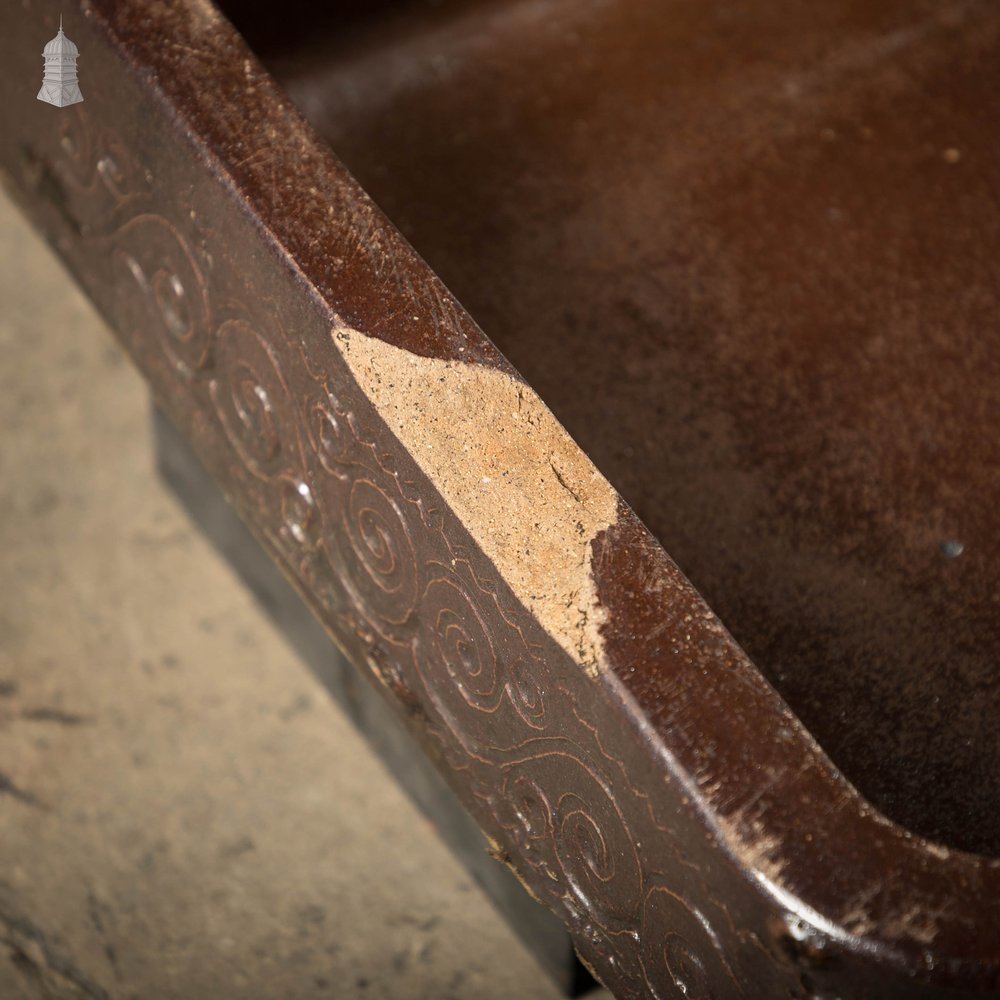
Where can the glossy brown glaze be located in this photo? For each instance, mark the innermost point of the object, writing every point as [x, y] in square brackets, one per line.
[749, 256]
[671, 809]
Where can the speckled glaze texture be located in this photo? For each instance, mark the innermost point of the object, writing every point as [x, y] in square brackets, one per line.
[645, 782]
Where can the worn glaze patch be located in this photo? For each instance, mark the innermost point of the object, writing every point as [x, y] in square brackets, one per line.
[531, 499]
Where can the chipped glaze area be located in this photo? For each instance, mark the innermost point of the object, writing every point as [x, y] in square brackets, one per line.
[531, 499]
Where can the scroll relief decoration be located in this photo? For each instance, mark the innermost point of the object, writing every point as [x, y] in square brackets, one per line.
[532, 750]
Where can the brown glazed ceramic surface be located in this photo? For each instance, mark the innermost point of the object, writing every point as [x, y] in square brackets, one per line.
[747, 256]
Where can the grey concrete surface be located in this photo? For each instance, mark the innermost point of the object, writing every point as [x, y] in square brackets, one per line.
[183, 810]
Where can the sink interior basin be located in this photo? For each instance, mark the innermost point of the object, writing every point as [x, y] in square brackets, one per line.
[749, 254]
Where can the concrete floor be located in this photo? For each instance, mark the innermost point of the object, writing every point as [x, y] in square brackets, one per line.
[183, 810]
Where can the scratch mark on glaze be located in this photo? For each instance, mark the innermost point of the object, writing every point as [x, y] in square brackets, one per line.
[531, 499]
[758, 851]
[915, 923]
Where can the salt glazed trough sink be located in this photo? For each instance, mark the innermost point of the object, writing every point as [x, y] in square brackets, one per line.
[686, 572]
